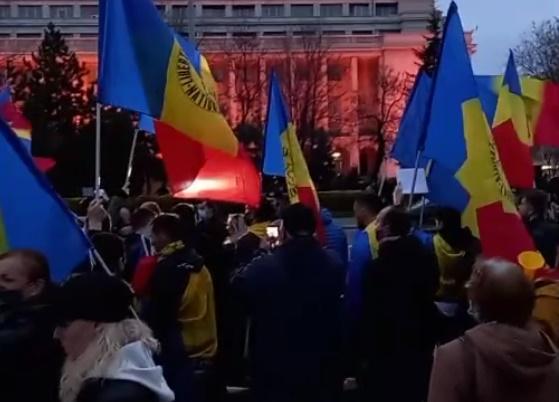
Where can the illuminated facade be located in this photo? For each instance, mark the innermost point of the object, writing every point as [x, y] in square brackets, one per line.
[349, 41]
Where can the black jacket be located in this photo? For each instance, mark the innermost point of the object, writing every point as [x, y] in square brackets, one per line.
[105, 390]
[30, 359]
[293, 297]
[399, 320]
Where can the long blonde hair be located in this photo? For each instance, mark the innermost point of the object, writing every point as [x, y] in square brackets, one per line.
[96, 358]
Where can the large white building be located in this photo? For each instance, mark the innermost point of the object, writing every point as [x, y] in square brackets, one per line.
[361, 36]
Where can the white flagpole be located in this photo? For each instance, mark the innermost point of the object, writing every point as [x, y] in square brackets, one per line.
[98, 151]
[130, 161]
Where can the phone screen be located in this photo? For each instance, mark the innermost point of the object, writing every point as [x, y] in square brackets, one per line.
[272, 232]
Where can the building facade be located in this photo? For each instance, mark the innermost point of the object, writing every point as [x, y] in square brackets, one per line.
[332, 55]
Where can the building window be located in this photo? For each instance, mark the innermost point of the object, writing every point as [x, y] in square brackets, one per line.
[243, 11]
[275, 33]
[61, 12]
[331, 10]
[390, 30]
[28, 35]
[273, 10]
[67, 35]
[333, 33]
[5, 12]
[244, 34]
[214, 34]
[213, 11]
[386, 9]
[89, 35]
[89, 11]
[179, 12]
[335, 72]
[359, 10]
[361, 32]
[302, 10]
[32, 12]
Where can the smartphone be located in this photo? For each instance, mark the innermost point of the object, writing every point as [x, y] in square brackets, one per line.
[272, 232]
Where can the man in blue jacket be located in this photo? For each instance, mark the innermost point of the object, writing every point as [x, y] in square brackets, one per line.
[336, 239]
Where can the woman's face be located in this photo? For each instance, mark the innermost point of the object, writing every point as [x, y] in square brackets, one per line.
[76, 336]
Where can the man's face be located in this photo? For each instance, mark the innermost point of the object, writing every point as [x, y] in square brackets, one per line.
[14, 277]
[159, 240]
[524, 208]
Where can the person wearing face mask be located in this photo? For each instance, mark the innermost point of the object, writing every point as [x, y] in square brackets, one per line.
[506, 357]
[399, 314]
[109, 354]
[30, 359]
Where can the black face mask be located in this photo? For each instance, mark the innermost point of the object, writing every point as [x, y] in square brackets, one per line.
[10, 297]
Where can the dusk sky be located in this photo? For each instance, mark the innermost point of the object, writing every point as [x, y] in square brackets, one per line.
[499, 25]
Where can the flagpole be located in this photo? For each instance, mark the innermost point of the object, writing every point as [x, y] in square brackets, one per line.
[98, 151]
[382, 177]
[423, 198]
[414, 180]
[130, 161]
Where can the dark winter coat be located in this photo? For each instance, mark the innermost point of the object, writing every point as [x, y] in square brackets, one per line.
[399, 320]
[336, 239]
[293, 297]
[30, 359]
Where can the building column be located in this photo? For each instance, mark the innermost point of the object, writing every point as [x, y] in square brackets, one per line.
[354, 94]
[323, 94]
[232, 94]
[262, 79]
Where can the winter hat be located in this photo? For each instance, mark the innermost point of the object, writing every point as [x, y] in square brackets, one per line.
[94, 296]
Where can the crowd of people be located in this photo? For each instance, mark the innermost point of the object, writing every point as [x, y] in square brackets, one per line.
[182, 305]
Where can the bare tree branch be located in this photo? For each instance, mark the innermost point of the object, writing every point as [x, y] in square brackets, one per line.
[538, 53]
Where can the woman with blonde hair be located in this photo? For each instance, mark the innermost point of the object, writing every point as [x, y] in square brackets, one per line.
[109, 354]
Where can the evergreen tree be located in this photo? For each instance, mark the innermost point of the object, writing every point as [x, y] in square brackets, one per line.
[428, 55]
[51, 88]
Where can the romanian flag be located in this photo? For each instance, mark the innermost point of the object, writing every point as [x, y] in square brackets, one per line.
[542, 104]
[31, 214]
[283, 155]
[11, 115]
[460, 143]
[145, 67]
[511, 131]
[21, 126]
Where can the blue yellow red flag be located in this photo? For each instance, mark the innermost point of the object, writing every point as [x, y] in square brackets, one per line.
[145, 67]
[409, 140]
[15, 119]
[511, 131]
[31, 214]
[283, 155]
[460, 143]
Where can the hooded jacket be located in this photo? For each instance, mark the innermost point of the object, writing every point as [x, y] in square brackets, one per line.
[131, 377]
[496, 363]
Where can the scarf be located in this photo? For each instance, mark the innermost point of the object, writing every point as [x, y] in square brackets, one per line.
[259, 229]
[172, 248]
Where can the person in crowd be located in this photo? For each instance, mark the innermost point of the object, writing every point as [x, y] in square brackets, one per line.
[364, 248]
[293, 298]
[255, 238]
[111, 249]
[236, 228]
[109, 354]
[399, 315]
[455, 250]
[336, 239]
[138, 243]
[98, 219]
[181, 307]
[30, 360]
[532, 208]
[187, 216]
[152, 206]
[506, 357]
